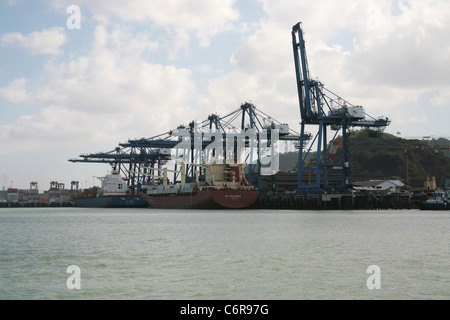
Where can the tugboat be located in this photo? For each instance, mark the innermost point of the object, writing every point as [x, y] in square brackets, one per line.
[113, 193]
[439, 201]
[222, 186]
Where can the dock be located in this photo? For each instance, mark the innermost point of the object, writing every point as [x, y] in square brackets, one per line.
[35, 204]
[336, 201]
[292, 202]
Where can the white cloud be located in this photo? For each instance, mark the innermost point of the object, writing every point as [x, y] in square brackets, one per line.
[203, 19]
[109, 95]
[53, 126]
[47, 41]
[13, 2]
[16, 91]
[399, 55]
[408, 49]
[441, 99]
[112, 79]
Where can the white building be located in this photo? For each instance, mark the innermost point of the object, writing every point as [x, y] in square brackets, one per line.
[379, 185]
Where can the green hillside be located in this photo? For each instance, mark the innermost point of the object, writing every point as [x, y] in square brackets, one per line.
[388, 156]
[440, 143]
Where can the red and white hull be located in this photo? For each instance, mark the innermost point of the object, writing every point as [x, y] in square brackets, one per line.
[205, 199]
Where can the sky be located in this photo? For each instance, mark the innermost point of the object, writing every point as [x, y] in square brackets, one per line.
[79, 77]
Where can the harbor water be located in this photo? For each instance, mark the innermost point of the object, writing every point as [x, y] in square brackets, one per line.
[149, 254]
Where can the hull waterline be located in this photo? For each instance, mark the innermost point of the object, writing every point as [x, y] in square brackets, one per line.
[206, 199]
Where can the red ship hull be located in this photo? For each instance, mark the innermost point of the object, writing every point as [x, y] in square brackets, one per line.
[205, 199]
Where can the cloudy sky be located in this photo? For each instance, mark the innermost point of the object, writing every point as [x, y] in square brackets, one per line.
[128, 69]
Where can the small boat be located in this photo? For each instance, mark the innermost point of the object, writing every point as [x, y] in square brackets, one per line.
[114, 193]
[439, 201]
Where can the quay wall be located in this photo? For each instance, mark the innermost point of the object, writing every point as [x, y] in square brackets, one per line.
[35, 204]
[335, 201]
[295, 202]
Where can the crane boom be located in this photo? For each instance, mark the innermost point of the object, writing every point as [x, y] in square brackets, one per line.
[301, 66]
[341, 115]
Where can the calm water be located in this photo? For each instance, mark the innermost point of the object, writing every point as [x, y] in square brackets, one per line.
[268, 255]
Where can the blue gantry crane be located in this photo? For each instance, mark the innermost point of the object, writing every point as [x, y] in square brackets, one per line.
[322, 109]
[143, 155]
[319, 108]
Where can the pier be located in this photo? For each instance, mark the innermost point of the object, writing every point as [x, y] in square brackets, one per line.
[35, 204]
[292, 201]
[336, 201]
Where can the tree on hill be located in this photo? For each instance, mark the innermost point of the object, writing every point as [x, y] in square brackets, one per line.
[390, 156]
[413, 160]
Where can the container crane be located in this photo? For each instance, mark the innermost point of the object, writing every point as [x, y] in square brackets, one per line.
[314, 98]
[138, 159]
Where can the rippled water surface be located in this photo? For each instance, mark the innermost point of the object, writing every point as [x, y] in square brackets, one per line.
[248, 254]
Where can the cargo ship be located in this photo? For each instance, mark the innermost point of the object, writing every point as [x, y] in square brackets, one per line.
[222, 186]
[114, 193]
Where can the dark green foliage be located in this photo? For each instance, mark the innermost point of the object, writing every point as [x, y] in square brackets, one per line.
[389, 156]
